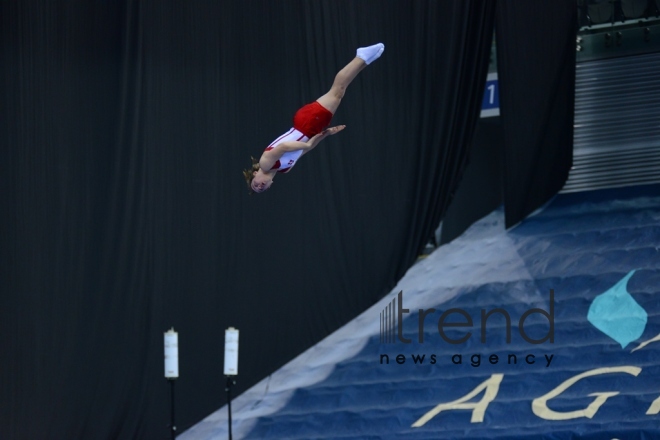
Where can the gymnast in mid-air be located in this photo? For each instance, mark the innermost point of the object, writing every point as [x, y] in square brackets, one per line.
[309, 126]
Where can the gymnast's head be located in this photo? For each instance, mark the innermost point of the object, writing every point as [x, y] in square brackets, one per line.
[257, 181]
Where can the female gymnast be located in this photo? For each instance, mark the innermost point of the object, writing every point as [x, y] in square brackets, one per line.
[309, 126]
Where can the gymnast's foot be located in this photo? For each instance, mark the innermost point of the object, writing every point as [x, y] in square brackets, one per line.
[371, 53]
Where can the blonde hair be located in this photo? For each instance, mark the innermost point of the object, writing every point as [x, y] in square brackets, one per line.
[247, 174]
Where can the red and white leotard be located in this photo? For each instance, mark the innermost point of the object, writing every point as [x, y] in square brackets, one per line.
[308, 121]
[288, 159]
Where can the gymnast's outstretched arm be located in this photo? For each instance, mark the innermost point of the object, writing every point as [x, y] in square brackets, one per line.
[269, 157]
[310, 144]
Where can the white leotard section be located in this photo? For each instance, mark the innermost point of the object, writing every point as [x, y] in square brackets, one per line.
[288, 159]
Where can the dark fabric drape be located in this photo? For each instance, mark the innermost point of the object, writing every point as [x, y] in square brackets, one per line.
[536, 65]
[480, 189]
[125, 126]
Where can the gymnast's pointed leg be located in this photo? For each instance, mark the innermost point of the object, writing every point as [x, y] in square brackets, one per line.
[364, 57]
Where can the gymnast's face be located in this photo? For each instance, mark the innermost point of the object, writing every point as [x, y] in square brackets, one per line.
[261, 182]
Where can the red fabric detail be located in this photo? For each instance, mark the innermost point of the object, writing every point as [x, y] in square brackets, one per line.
[311, 119]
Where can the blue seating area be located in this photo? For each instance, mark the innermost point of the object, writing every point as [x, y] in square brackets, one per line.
[584, 365]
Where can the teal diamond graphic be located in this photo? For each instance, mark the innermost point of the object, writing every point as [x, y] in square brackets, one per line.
[616, 313]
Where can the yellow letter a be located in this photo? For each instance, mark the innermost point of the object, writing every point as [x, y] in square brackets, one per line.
[491, 386]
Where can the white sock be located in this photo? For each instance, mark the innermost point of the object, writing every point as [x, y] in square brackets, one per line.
[370, 53]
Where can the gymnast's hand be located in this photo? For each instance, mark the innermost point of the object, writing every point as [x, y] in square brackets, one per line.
[332, 130]
[325, 133]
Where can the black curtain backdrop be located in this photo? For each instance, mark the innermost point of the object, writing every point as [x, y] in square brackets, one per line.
[124, 129]
[536, 65]
[522, 158]
[480, 190]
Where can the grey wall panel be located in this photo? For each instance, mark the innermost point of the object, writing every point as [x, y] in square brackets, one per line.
[617, 123]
